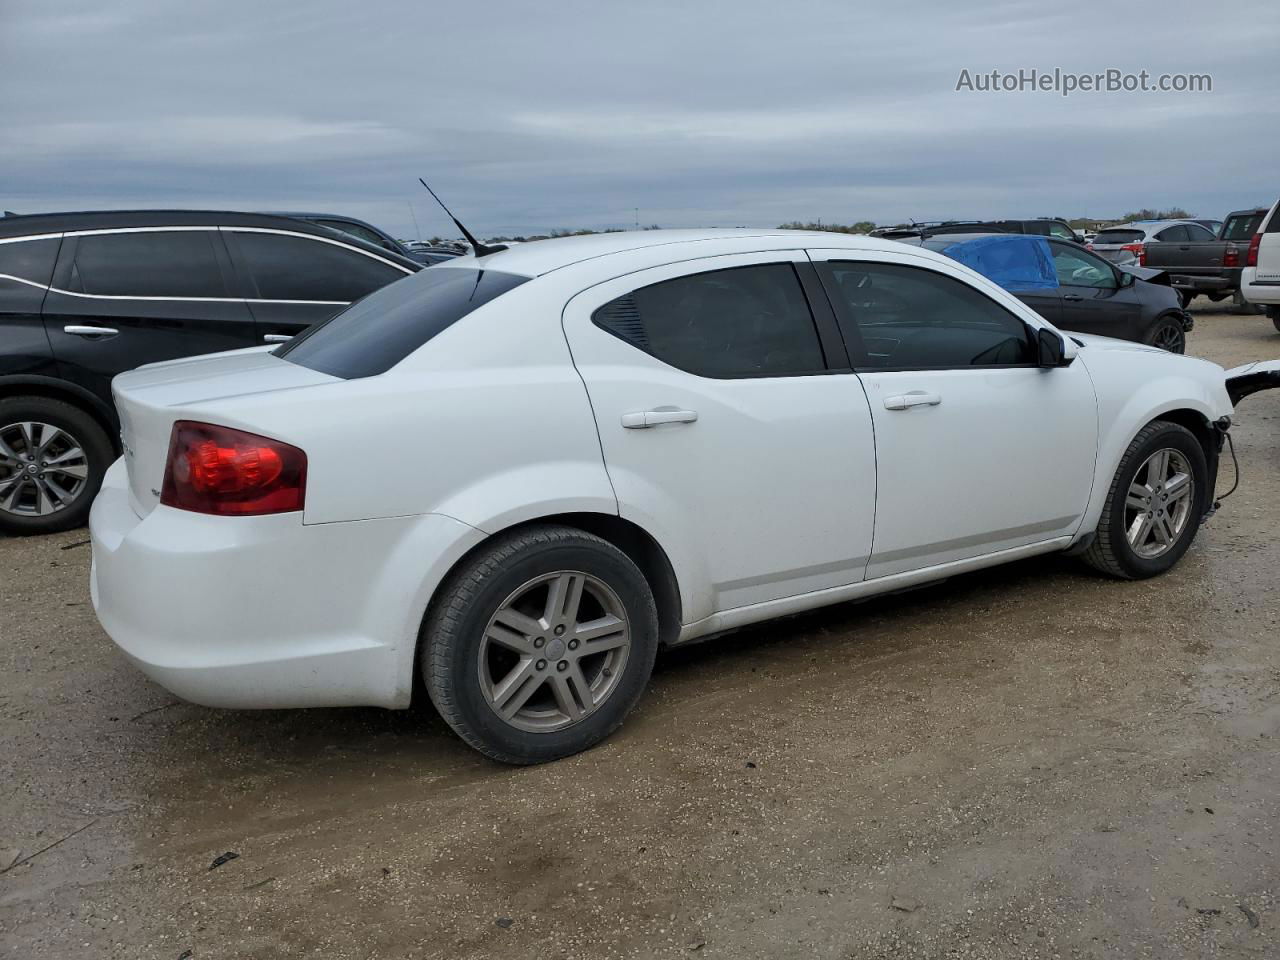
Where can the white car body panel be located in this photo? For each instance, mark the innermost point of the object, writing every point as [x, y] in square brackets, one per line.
[1261, 284]
[766, 505]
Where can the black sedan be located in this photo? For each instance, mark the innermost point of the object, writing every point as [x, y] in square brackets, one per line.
[1074, 289]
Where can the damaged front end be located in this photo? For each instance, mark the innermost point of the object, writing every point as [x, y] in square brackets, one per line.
[1252, 378]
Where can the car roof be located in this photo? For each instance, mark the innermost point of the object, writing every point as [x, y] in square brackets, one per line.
[64, 222]
[537, 257]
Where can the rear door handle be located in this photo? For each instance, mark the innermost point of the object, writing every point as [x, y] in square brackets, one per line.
[652, 418]
[277, 337]
[1073, 297]
[916, 398]
[84, 330]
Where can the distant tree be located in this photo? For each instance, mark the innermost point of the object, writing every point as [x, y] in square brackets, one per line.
[1147, 213]
[862, 226]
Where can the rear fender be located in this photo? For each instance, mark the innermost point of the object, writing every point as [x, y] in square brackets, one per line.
[1252, 378]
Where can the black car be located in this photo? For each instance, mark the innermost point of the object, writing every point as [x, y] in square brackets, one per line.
[365, 231]
[85, 296]
[1040, 227]
[1094, 296]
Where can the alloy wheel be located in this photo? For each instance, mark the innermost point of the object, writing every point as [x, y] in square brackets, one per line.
[1171, 337]
[1159, 504]
[554, 651]
[43, 469]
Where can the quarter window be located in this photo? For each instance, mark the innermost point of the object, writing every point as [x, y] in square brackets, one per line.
[29, 259]
[740, 322]
[907, 318]
[152, 263]
[297, 268]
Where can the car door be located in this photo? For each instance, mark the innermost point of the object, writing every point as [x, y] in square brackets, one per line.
[725, 427]
[978, 450]
[292, 280]
[122, 298]
[1093, 299]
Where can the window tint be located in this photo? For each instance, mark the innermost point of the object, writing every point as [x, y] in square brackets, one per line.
[1242, 227]
[296, 268]
[1075, 268]
[29, 259]
[1197, 232]
[1119, 236]
[178, 263]
[1062, 233]
[372, 336]
[356, 230]
[1174, 234]
[909, 318]
[741, 322]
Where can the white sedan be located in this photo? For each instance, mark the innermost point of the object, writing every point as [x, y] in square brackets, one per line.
[517, 476]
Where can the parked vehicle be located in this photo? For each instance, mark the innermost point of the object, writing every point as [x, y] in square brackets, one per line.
[603, 444]
[84, 296]
[1124, 244]
[430, 254]
[358, 228]
[1213, 226]
[1209, 266]
[1042, 227]
[1260, 277]
[1074, 289]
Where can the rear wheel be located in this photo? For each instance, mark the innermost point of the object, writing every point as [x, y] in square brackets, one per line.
[1274, 314]
[1154, 505]
[540, 644]
[52, 459]
[1168, 333]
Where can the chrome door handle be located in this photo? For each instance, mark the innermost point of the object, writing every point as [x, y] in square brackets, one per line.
[652, 418]
[277, 337]
[916, 398]
[83, 330]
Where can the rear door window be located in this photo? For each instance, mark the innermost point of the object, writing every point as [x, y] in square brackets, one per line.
[1198, 233]
[726, 324]
[176, 264]
[29, 260]
[372, 336]
[288, 267]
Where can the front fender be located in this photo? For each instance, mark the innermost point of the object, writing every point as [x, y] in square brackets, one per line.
[1252, 378]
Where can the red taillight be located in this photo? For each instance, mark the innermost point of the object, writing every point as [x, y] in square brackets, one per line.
[228, 472]
[1138, 250]
[1231, 256]
[1251, 258]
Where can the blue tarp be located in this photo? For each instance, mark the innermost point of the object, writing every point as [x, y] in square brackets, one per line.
[1015, 261]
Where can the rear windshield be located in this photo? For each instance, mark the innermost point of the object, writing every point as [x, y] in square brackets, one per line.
[1119, 236]
[1242, 227]
[374, 334]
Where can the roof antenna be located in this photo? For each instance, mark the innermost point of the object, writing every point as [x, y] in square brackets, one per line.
[480, 249]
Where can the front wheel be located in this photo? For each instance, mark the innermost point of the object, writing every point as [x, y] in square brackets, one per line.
[52, 460]
[1154, 505]
[540, 644]
[1168, 333]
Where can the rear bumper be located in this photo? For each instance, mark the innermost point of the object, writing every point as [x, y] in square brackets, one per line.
[263, 612]
[1202, 284]
[1264, 292]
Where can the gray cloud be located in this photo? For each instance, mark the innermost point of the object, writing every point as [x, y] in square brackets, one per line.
[529, 117]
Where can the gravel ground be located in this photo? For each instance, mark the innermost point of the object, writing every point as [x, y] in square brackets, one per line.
[1027, 762]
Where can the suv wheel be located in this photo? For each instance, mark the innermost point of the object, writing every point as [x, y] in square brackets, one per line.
[1154, 506]
[52, 459]
[1274, 313]
[540, 644]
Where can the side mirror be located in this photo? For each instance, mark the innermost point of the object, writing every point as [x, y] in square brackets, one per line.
[1052, 349]
[1126, 278]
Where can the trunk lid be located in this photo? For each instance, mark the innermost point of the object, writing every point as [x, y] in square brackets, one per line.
[149, 400]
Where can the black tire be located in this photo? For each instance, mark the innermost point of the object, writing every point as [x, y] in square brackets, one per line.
[453, 629]
[1110, 551]
[1168, 333]
[1274, 314]
[88, 435]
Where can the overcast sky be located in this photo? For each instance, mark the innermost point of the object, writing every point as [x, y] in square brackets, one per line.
[529, 116]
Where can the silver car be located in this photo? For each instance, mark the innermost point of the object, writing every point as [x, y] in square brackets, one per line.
[1122, 244]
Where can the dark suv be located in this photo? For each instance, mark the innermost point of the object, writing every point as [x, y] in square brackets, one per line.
[84, 296]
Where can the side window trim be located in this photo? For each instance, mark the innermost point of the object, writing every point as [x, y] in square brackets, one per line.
[851, 333]
[311, 236]
[248, 286]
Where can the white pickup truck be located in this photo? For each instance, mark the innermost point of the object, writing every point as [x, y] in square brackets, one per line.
[1260, 278]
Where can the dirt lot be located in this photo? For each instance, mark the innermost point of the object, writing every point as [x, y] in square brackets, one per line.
[1027, 762]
